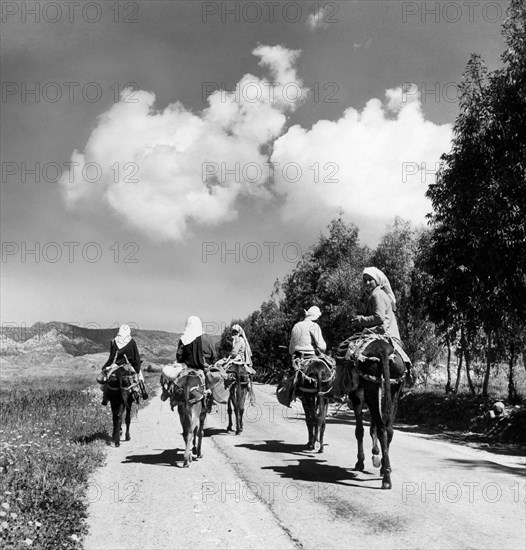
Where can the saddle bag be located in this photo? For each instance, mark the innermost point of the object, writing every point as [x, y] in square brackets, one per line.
[284, 391]
[216, 379]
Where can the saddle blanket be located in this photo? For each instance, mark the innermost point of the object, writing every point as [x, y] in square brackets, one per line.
[353, 347]
[215, 380]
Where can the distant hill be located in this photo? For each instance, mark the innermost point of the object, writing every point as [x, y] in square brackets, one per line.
[63, 339]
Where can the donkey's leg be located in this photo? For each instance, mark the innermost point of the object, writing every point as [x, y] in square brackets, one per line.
[373, 394]
[322, 413]
[229, 407]
[308, 408]
[185, 418]
[391, 416]
[376, 449]
[357, 398]
[128, 417]
[202, 418]
[189, 435]
[116, 410]
[240, 408]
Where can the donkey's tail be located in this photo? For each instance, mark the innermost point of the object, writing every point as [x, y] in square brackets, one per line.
[384, 356]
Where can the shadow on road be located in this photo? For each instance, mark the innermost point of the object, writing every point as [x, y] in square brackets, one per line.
[474, 440]
[168, 457]
[518, 470]
[210, 432]
[315, 470]
[308, 468]
[275, 446]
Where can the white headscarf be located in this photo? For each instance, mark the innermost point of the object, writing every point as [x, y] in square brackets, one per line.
[313, 313]
[248, 350]
[123, 336]
[193, 329]
[383, 282]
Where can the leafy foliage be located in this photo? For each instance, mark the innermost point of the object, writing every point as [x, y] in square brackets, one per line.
[477, 256]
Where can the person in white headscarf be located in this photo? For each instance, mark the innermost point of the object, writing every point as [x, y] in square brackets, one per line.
[306, 336]
[123, 350]
[241, 351]
[380, 311]
[190, 349]
[380, 306]
[192, 352]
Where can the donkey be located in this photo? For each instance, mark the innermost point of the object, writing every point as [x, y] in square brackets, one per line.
[188, 393]
[314, 380]
[380, 370]
[122, 394]
[239, 388]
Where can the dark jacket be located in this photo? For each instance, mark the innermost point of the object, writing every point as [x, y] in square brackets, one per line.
[129, 352]
[192, 354]
[209, 349]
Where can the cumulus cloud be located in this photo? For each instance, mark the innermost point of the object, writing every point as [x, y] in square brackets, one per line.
[161, 169]
[376, 163]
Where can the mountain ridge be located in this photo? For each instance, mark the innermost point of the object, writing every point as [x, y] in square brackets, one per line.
[59, 338]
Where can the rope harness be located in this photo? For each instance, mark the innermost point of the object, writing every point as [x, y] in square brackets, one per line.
[179, 393]
[351, 355]
[309, 378]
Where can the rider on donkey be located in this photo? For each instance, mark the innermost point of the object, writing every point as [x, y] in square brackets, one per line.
[241, 351]
[380, 310]
[306, 336]
[123, 350]
[193, 350]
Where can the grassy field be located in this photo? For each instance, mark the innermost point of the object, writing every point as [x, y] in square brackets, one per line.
[435, 381]
[427, 404]
[53, 435]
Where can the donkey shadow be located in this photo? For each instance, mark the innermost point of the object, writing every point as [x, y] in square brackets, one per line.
[314, 470]
[168, 457]
[275, 446]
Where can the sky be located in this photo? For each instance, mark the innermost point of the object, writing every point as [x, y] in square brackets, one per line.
[162, 159]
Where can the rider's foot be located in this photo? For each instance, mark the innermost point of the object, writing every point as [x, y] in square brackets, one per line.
[104, 402]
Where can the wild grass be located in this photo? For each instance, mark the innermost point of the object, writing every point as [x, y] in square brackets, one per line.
[434, 380]
[51, 440]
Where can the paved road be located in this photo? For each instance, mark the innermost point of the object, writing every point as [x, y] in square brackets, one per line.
[262, 490]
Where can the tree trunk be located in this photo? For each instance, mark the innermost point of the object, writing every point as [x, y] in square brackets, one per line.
[468, 374]
[448, 383]
[459, 371]
[488, 368]
[512, 391]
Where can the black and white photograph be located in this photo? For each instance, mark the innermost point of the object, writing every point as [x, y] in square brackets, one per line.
[263, 274]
